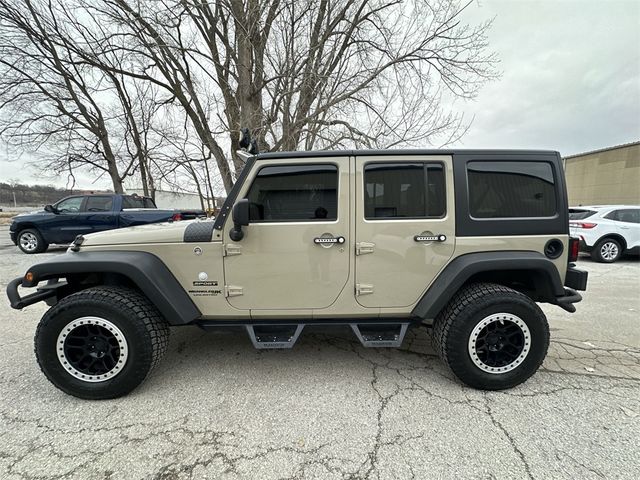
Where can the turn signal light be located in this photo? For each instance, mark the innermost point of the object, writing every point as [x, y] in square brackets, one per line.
[29, 277]
[574, 249]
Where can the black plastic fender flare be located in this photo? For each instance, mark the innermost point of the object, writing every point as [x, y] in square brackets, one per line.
[462, 268]
[144, 269]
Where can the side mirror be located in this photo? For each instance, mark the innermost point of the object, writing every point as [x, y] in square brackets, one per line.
[50, 209]
[240, 215]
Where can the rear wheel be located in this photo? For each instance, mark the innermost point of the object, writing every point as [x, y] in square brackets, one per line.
[491, 337]
[30, 241]
[101, 342]
[606, 250]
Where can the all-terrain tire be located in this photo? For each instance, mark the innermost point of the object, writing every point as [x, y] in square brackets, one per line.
[606, 250]
[126, 323]
[471, 308]
[30, 241]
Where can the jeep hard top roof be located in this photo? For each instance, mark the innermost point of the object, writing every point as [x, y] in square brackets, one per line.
[342, 153]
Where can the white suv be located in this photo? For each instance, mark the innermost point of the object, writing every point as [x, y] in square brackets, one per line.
[606, 231]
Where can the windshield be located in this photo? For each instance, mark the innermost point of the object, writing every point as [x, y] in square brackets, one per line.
[579, 214]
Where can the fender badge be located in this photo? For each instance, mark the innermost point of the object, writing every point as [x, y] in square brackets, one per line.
[197, 251]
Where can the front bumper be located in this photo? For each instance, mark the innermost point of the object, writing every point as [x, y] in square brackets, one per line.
[14, 237]
[48, 293]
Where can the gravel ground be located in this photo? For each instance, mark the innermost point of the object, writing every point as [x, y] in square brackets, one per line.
[217, 408]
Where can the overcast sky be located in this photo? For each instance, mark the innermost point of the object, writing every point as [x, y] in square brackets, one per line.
[570, 80]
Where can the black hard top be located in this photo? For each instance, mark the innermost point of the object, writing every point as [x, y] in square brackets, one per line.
[342, 153]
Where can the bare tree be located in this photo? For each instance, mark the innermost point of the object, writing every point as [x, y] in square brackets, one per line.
[304, 73]
[46, 96]
[298, 73]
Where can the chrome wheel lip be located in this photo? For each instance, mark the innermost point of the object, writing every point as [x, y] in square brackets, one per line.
[499, 317]
[102, 322]
[28, 241]
[609, 251]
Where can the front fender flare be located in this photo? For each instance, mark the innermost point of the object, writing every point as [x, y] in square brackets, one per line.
[144, 269]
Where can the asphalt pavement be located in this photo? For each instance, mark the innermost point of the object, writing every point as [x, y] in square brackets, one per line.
[329, 408]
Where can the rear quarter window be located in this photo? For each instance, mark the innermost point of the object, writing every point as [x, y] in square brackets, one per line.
[577, 214]
[511, 189]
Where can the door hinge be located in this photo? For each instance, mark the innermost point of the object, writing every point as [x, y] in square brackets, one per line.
[232, 249]
[364, 289]
[362, 248]
[232, 291]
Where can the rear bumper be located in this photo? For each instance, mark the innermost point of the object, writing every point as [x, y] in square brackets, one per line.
[576, 278]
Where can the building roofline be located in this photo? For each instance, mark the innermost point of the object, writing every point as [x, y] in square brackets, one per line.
[615, 147]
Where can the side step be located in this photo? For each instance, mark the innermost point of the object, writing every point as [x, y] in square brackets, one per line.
[274, 336]
[380, 334]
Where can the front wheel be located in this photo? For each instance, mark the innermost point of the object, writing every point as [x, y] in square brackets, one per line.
[101, 342]
[491, 337]
[30, 241]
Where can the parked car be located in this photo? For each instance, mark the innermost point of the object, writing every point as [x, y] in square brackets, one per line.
[82, 214]
[607, 231]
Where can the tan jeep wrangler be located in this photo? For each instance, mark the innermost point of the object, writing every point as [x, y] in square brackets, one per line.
[465, 242]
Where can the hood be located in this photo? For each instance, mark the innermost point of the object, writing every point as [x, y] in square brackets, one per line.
[168, 232]
[21, 216]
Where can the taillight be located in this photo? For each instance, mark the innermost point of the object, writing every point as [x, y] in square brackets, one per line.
[583, 224]
[574, 249]
[176, 217]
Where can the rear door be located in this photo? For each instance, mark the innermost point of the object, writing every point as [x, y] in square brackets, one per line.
[405, 228]
[627, 222]
[293, 255]
[98, 213]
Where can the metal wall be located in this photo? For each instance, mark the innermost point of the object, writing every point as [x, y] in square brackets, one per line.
[604, 177]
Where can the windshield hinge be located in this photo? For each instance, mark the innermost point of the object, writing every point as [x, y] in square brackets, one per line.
[362, 248]
[232, 249]
[363, 289]
[232, 291]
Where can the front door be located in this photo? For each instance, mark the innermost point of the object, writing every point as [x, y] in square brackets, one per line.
[405, 228]
[294, 252]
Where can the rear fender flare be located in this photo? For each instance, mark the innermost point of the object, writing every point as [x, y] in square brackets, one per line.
[464, 267]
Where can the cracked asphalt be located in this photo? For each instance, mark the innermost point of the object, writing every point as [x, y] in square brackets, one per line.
[329, 408]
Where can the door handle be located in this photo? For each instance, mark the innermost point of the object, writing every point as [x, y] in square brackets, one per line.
[430, 238]
[328, 241]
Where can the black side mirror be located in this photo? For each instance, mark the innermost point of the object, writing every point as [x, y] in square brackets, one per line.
[50, 209]
[240, 219]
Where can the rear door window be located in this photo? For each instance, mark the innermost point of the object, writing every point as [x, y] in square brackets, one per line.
[99, 204]
[511, 189]
[404, 190]
[627, 215]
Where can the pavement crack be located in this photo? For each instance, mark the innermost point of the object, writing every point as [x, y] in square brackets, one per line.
[508, 436]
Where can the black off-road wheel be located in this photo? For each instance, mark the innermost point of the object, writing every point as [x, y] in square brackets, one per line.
[30, 241]
[100, 343]
[606, 250]
[491, 337]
